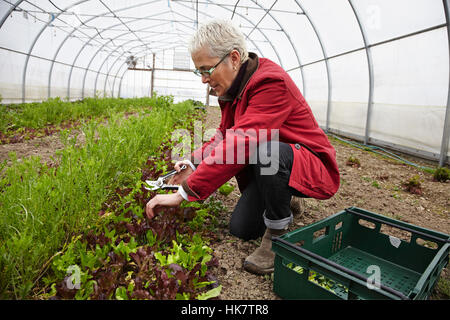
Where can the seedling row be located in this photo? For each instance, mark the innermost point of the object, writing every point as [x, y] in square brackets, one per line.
[76, 230]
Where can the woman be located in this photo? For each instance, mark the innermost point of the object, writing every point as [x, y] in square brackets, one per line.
[267, 123]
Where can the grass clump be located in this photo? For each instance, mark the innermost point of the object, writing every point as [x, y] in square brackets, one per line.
[441, 174]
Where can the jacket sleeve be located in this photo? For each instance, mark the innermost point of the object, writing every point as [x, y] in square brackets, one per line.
[267, 108]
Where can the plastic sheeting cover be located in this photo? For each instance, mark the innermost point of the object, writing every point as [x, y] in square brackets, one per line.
[75, 49]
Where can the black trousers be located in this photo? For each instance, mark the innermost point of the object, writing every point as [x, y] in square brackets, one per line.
[265, 202]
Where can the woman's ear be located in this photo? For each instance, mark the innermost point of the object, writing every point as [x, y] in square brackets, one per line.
[235, 58]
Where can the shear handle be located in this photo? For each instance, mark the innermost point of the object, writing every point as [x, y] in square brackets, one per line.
[169, 187]
[171, 173]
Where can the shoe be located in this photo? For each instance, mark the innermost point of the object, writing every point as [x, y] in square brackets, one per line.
[261, 261]
[297, 205]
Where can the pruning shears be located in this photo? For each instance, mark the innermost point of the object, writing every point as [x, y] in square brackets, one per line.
[159, 183]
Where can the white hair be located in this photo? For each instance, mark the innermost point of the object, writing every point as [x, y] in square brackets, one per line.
[220, 37]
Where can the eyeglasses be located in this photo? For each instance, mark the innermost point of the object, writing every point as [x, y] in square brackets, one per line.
[207, 73]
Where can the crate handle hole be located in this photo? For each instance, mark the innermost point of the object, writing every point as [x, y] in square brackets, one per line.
[393, 233]
[319, 234]
[427, 243]
[338, 225]
[292, 266]
[367, 224]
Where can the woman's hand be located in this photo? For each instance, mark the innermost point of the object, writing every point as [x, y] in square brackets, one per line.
[172, 199]
[165, 200]
[181, 175]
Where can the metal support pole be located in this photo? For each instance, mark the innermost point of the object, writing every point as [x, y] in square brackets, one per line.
[327, 66]
[208, 88]
[117, 77]
[370, 66]
[10, 10]
[446, 134]
[120, 83]
[152, 84]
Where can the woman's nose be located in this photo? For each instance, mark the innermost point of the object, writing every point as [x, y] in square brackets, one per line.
[205, 79]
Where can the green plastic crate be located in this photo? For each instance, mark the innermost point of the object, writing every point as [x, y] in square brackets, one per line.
[354, 254]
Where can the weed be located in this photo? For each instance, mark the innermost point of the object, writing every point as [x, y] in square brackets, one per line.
[396, 196]
[413, 185]
[376, 184]
[441, 174]
[226, 189]
[352, 161]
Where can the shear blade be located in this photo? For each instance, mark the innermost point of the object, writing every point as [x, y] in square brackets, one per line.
[152, 185]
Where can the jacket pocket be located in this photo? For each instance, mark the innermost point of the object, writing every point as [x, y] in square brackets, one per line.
[309, 174]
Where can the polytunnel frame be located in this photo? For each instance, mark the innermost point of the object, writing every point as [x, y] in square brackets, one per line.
[254, 27]
[326, 59]
[446, 133]
[28, 55]
[223, 7]
[446, 3]
[107, 74]
[251, 22]
[87, 42]
[110, 11]
[125, 63]
[104, 61]
[87, 69]
[99, 70]
[442, 157]
[92, 59]
[113, 64]
[24, 75]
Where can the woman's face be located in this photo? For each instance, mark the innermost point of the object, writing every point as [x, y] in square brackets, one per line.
[225, 72]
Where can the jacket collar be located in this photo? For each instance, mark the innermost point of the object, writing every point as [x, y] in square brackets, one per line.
[241, 81]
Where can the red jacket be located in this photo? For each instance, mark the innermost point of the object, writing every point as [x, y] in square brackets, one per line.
[267, 99]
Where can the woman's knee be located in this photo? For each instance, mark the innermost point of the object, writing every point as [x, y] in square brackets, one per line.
[245, 232]
[246, 224]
